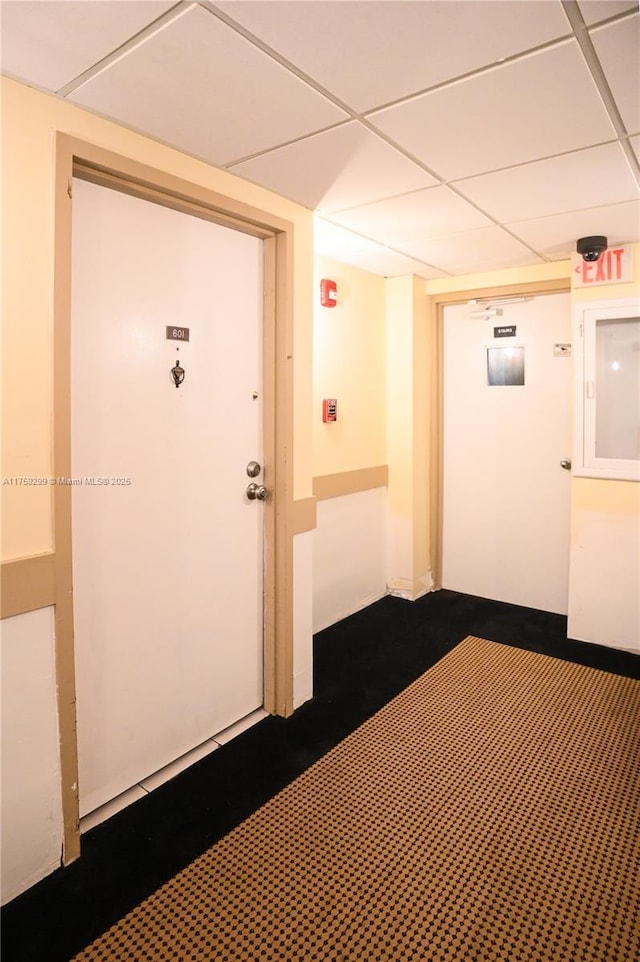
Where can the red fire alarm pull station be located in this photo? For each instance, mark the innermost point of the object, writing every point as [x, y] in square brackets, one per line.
[329, 410]
[328, 293]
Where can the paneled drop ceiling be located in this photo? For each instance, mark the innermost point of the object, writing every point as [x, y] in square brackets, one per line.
[434, 137]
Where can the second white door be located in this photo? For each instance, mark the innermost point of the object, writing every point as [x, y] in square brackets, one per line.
[505, 493]
[167, 549]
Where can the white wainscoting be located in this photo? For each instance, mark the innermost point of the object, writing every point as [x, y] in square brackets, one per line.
[349, 555]
[604, 601]
[31, 797]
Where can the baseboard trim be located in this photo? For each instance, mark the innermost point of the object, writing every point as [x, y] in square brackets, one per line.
[352, 610]
[410, 590]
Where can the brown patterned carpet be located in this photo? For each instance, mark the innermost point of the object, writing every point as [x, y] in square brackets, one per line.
[489, 813]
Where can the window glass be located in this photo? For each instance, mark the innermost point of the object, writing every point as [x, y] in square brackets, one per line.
[607, 377]
[618, 388]
[505, 366]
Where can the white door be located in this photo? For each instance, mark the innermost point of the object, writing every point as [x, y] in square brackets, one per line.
[505, 494]
[167, 549]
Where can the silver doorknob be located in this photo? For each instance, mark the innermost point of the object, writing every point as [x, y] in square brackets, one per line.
[566, 464]
[253, 469]
[257, 492]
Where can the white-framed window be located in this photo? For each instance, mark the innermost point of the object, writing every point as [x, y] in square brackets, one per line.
[607, 429]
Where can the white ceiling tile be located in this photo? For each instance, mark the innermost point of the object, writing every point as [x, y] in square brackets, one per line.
[388, 263]
[423, 213]
[557, 235]
[558, 256]
[370, 53]
[195, 83]
[50, 42]
[343, 245]
[490, 248]
[618, 49]
[342, 167]
[331, 239]
[522, 111]
[592, 177]
[198, 84]
[593, 11]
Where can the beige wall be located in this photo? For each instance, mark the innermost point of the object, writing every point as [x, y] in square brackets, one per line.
[29, 121]
[349, 455]
[349, 365]
[376, 353]
[410, 349]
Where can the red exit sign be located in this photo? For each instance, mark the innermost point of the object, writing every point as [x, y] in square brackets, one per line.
[614, 266]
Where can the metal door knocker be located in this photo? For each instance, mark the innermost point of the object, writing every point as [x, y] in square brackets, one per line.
[177, 373]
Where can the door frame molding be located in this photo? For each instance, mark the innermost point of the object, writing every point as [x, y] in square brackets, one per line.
[77, 158]
[438, 302]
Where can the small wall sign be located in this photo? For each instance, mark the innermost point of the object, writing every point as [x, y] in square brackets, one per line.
[509, 331]
[562, 350]
[177, 333]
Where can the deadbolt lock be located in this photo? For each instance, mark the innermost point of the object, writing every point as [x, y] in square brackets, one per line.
[253, 469]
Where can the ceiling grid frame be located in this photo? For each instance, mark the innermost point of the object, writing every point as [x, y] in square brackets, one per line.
[341, 162]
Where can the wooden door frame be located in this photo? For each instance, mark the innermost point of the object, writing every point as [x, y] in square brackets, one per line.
[437, 306]
[77, 158]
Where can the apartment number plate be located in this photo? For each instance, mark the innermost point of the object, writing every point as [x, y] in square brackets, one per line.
[177, 333]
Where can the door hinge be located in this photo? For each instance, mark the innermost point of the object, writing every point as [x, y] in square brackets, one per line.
[70, 190]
